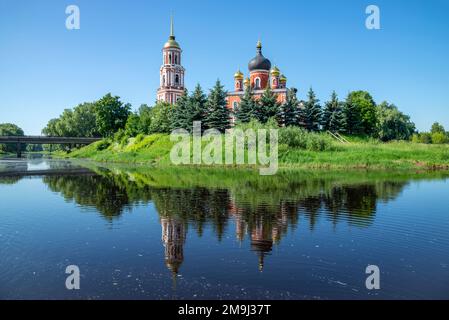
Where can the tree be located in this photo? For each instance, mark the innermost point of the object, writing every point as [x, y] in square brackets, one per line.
[437, 128]
[310, 115]
[333, 116]
[181, 113]
[189, 109]
[267, 106]
[133, 127]
[197, 105]
[288, 114]
[112, 114]
[247, 108]
[352, 117]
[366, 107]
[393, 124]
[218, 116]
[9, 129]
[84, 121]
[161, 118]
[50, 129]
[145, 118]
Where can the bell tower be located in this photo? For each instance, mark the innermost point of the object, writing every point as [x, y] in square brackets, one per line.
[172, 72]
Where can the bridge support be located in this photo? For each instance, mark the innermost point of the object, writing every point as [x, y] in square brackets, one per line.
[19, 150]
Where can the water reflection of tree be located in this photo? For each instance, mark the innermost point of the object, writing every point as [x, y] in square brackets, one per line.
[101, 193]
[10, 180]
[264, 218]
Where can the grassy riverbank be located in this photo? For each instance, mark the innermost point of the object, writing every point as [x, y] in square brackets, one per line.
[358, 154]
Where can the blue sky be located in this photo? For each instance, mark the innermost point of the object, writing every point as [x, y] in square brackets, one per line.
[45, 68]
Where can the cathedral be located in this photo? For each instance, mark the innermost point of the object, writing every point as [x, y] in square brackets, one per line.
[261, 75]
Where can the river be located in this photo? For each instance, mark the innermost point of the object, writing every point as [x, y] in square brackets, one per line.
[147, 233]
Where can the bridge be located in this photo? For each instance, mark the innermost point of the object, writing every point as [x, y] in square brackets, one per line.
[19, 140]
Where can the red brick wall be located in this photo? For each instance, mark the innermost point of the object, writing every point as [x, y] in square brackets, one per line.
[264, 77]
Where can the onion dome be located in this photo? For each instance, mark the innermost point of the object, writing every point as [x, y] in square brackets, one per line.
[275, 72]
[238, 75]
[282, 78]
[259, 62]
[246, 82]
[171, 43]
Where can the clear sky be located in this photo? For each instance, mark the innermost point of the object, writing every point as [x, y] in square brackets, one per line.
[45, 68]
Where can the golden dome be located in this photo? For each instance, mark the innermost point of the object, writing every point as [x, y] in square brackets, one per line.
[246, 82]
[238, 75]
[171, 43]
[275, 72]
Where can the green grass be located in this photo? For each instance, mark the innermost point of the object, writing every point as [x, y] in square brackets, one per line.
[361, 153]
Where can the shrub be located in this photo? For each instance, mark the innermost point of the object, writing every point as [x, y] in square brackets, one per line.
[139, 138]
[415, 138]
[293, 137]
[119, 135]
[439, 138]
[425, 138]
[256, 125]
[103, 144]
[299, 138]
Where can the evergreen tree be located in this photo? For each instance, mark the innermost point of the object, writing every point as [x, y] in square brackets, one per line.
[267, 106]
[189, 109]
[247, 108]
[181, 113]
[197, 104]
[352, 117]
[288, 114]
[218, 116]
[310, 115]
[333, 117]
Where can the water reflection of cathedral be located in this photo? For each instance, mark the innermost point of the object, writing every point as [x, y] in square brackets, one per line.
[173, 239]
[263, 231]
[262, 234]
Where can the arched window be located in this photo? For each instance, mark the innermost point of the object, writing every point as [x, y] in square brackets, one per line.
[169, 58]
[177, 79]
[257, 83]
[163, 80]
[176, 59]
[235, 105]
[237, 84]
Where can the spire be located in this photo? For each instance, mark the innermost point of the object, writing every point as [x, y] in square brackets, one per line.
[172, 28]
[171, 43]
[259, 46]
